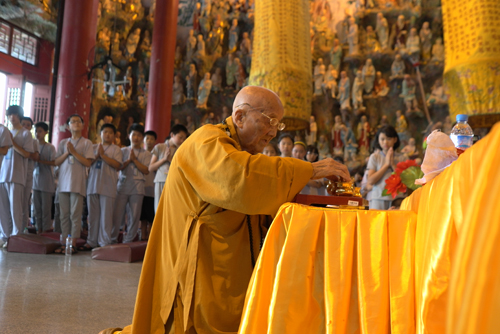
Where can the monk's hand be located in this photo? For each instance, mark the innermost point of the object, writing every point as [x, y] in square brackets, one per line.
[330, 169]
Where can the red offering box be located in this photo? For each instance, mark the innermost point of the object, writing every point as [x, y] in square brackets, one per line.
[343, 201]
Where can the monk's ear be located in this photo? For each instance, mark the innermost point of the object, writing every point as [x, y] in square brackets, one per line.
[239, 118]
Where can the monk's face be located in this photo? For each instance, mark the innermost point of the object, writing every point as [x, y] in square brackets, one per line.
[254, 109]
[257, 131]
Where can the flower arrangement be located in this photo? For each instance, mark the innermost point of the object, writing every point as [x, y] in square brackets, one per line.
[403, 178]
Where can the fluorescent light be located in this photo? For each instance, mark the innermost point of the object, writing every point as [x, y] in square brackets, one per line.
[3, 91]
[28, 97]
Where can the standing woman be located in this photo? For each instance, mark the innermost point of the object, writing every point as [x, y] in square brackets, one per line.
[381, 165]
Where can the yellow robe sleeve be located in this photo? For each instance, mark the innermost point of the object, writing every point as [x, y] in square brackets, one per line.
[236, 180]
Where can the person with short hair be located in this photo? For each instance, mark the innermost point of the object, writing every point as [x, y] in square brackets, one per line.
[270, 150]
[101, 188]
[135, 162]
[107, 118]
[74, 156]
[13, 176]
[285, 145]
[162, 157]
[27, 123]
[43, 179]
[148, 203]
[5, 142]
[313, 187]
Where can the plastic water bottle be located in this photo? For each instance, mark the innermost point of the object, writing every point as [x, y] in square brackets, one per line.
[26, 231]
[69, 245]
[462, 134]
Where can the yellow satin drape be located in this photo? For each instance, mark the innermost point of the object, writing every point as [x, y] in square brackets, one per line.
[333, 271]
[457, 249]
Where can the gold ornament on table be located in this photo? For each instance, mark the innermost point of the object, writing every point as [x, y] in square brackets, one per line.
[343, 188]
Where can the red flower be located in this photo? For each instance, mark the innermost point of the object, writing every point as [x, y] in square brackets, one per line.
[400, 167]
[394, 185]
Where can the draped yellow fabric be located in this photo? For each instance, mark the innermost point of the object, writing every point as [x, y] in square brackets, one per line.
[472, 72]
[333, 271]
[281, 56]
[457, 264]
[474, 298]
[198, 260]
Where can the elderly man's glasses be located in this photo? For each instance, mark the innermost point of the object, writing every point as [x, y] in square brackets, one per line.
[272, 121]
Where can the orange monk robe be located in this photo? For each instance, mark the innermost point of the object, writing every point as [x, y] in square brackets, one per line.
[198, 259]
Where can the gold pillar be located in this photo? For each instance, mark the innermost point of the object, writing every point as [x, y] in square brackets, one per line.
[281, 56]
[472, 45]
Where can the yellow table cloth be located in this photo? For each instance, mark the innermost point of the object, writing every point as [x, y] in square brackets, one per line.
[457, 244]
[333, 271]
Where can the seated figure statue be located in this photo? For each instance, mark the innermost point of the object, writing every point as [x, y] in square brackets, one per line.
[319, 77]
[380, 87]
[353, 37]
[204, 91]
[397, 68]
[438, 51]
[178, 96]
[408, 94]
[357, 91]
[368, 76]
[344, 89]
[438, 94]
[330, 83]
[372, 45]
[413, 45]
[217, 80]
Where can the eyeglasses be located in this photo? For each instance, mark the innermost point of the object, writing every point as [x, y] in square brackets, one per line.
[75, 122]
[272, 121]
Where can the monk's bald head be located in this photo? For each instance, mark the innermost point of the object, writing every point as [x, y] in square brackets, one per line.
[258, 97]
[254, 109]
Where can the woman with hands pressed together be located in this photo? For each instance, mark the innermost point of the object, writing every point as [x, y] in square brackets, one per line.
[381, 165]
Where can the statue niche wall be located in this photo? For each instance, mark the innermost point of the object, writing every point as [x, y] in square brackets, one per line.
[121, 64]
[365, 60]
[378, 58]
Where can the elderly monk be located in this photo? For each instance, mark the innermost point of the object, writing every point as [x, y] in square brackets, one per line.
[212, 217]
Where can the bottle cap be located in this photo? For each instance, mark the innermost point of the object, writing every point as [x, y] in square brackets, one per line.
[69, 235]
[462, 118]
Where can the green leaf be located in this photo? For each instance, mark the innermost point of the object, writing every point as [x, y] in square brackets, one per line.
[409, 175]
[384, 193]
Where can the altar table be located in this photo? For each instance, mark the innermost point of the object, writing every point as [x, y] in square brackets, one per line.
[334, 271]
[433, 267]
[457, 244]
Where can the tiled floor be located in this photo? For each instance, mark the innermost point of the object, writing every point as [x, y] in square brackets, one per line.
[65, 294]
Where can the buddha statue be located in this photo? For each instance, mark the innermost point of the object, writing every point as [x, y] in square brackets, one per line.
[382, 29]
[397, 68]
[204, 91]
[368, 74]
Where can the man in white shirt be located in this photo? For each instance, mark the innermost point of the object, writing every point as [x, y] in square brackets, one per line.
[13, 176]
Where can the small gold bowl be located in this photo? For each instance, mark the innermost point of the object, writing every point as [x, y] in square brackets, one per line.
[344, 189]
